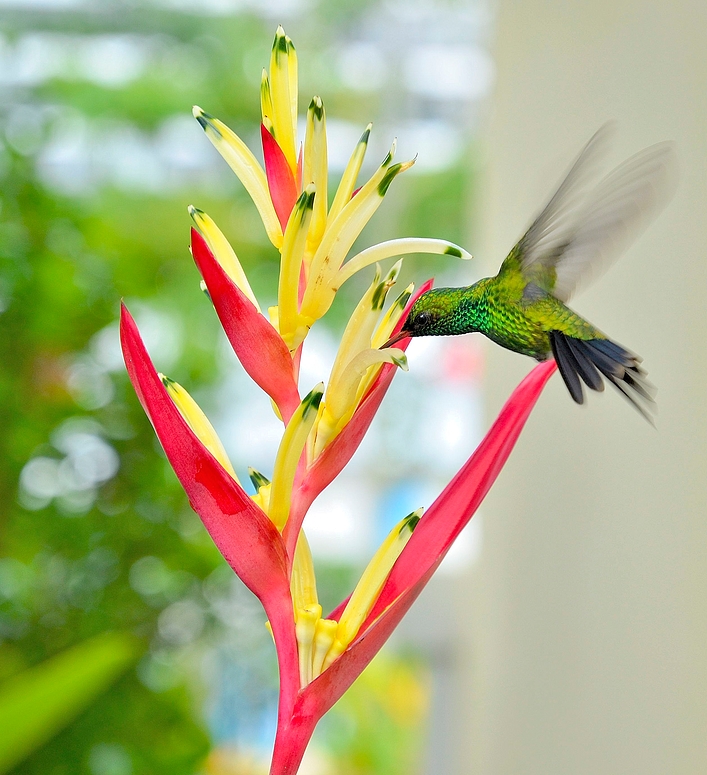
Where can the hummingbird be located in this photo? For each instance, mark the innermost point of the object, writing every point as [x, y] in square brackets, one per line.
[580, 230]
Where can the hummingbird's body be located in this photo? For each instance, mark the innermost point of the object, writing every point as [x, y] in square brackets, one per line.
[523, 307]
[511, 312]
[504, 310]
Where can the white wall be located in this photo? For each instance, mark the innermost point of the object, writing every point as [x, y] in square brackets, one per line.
[587, 615]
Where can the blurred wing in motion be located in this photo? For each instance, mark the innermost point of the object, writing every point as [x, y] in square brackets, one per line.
[548, 235]
[578, 235]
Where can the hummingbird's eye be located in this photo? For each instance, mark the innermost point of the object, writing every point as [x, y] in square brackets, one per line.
[424, 318]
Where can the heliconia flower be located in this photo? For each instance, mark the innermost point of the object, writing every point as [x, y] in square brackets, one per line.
[261, 535]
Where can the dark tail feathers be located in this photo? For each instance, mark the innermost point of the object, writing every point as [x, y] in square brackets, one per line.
[589, 360]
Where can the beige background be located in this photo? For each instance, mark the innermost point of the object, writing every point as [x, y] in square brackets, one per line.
[585, 634]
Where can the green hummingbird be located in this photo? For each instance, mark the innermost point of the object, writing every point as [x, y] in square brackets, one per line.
[580, 230]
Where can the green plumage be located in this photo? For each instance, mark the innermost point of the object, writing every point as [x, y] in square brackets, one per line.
[523, 308]
[507, 309]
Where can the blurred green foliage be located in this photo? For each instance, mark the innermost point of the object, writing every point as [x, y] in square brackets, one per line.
[39, 701]
[123, 552]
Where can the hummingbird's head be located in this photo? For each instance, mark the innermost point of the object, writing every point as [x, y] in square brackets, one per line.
[428, 316]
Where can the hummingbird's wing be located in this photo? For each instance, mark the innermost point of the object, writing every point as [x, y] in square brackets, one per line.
[578, 234]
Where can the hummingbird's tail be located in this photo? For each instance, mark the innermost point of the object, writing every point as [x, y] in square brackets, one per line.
[592, 359]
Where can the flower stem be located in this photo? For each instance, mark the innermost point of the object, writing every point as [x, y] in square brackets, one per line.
[290, 744]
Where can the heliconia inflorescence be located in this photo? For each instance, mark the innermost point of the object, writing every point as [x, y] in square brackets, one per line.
[261, 535]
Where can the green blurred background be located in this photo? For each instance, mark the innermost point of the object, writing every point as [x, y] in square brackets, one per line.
[126, 645]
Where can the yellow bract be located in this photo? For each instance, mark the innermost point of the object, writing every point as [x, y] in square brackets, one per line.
[355, 361]
[222, 251]
[350, 176]
[293, 247]
[307, 611]
[396, 247]
[283, 88]
[240, 159]
[288, 456]
[368, 588]
[315, 169]
[198, 422]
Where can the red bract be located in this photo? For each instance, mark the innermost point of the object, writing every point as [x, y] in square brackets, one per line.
[281, 180]
[245, 536]
[257, 344]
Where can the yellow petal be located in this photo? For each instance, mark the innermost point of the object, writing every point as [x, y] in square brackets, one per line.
[258, 479]
[312, 449]
[340, 236]
[262, 486]
[348, 179]
[369, 587]
[239, 158]
[341, 395]
[307, 611]
[391, 317]
[335, 651]
[315, 170]
[266, 110]
[262, 498]
[397, 247]
[359, 330]
[198, 422]
[274, 317]
[223, 252]
[324, 635]
[289, 453]
[303, 582]
[293, 247]
[345, 394]
[292, 68]
[380, 336]
[305, 629]
[283, 80]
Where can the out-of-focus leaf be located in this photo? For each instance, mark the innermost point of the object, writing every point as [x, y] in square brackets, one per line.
[40, 701]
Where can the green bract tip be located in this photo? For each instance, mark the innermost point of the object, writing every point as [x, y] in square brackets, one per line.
[316, 106]
[312, 399]
[389, 176]
[411, 520]
[452, 250]
[258, 479]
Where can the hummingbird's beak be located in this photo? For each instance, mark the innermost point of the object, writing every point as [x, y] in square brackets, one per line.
[395, 338]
